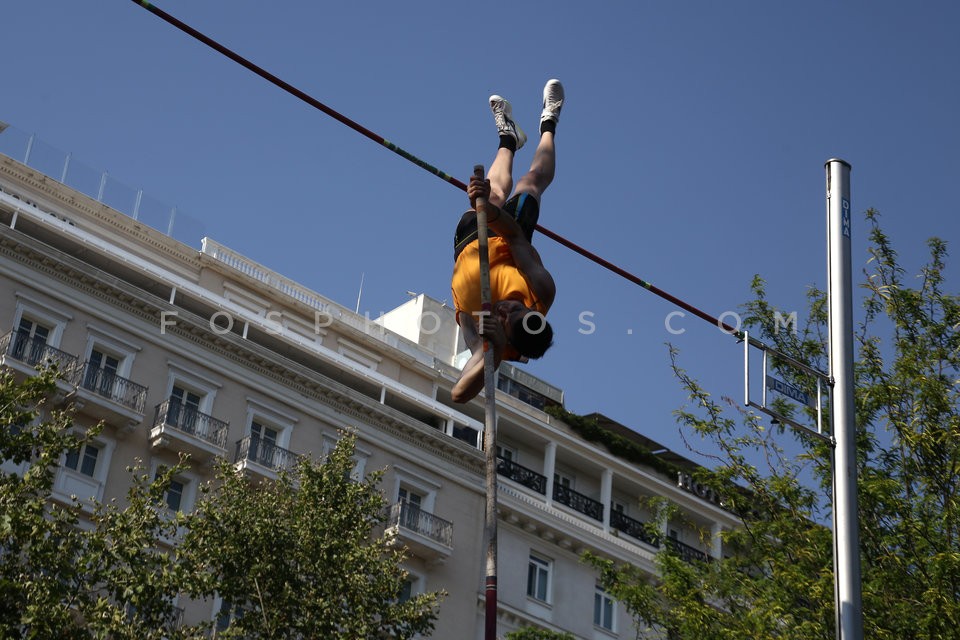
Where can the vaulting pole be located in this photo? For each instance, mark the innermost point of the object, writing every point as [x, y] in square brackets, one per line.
[846, 537]
[489, 426]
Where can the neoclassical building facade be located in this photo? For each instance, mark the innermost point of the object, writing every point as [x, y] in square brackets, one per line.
[207, 352]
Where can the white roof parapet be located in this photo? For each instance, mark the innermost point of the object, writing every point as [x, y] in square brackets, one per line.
[312, 299]
[257, 271]
[536, 384]
[230, 257]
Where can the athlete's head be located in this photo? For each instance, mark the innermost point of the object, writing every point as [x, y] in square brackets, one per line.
[525, 328]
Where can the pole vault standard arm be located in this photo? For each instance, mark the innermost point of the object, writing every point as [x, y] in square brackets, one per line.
[782, 387]
[489, 426]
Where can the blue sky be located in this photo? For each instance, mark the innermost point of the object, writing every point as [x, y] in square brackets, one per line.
[690, 150]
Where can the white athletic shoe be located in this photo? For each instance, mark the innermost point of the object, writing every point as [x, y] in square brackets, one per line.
[503, 118]
[552, 101]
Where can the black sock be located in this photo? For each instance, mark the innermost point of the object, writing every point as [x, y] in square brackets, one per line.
[548, 125]
[508, 142]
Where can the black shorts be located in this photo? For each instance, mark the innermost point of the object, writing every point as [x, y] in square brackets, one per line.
[523, 207]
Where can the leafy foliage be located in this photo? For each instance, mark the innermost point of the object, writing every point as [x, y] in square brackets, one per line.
[58, 579]
[300, 558]
[776, 580]
[590, 429]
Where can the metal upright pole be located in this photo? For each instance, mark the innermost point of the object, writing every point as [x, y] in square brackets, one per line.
[489, 427]
[846, 538]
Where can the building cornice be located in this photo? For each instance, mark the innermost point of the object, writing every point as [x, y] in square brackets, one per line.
[247, 355]
[565, 530]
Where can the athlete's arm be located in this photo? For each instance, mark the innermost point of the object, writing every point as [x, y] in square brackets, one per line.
[471, 379]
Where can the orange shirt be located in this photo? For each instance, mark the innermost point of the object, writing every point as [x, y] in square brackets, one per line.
[506, 281]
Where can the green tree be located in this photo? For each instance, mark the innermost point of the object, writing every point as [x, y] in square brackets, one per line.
[300, 557]
[61, 580]
[35, 573]
[777, 578]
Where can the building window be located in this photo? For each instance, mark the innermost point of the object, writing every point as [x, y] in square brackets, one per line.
[263, 444]
[468, 434]
[108, 358]
[410, 497]
[270, 432]
[189, 404]
[507, 453]
[101, 360]
[412, 504]
[84, 459]
[603, 609]
[415, 489]
[83, 472]
[412, 585]
[174, 494]
[563, 480]
[102, 372]
[360, 456]
[33, 329]
[180, 494]
[226, 614]
[406, 590]
[30, 341]
[523, 393]
[184, 409]
[37, 324]
[538, 578]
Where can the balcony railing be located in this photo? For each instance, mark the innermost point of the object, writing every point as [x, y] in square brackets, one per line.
[174, 414]
[109, 385]
[685, 551]
[265, 454]
[34, 351]
[413, 518]
[633, 528]
[578, 501]
[520, 474]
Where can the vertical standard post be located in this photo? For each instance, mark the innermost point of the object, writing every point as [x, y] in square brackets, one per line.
[66, 166]
[846, 537]
[489, 426]
[173, 217]
[746, 369]
[26, 156]
[103, 185]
